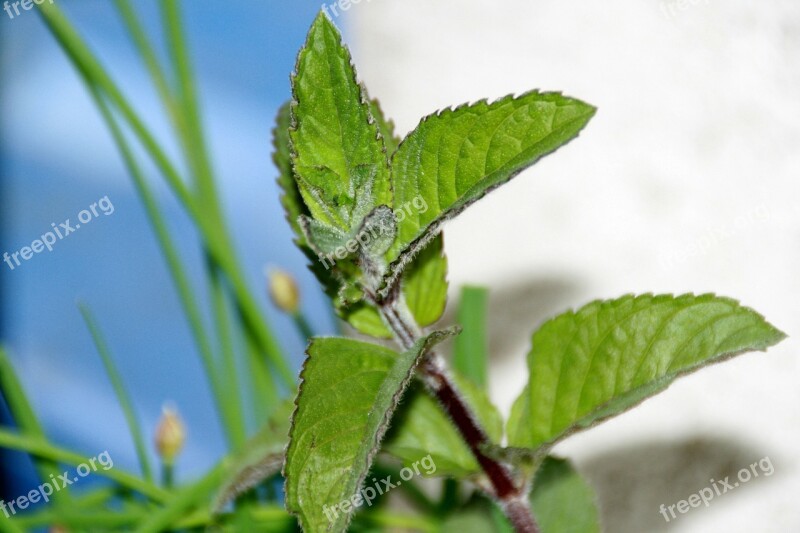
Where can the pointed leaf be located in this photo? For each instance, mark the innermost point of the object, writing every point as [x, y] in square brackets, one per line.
[455, 157]
[348, 394]
[594, 363]
[339, 156]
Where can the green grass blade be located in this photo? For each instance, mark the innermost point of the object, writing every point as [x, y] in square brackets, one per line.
[24, 415]
[174, 263]
[184, 501]
[123, 398]
[43, 449]
[84, 60]
[230, 373]
[190, 129]
[471, 347]
[219, 246]
[147, 53]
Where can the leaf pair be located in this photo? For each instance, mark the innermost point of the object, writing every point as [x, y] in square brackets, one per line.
[343, 170]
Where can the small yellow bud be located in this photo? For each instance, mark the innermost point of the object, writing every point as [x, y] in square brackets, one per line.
[170, 435]
[283, 291]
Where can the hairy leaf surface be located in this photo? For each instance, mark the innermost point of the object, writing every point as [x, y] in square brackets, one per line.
[597, 362]
[456, 156]
[339, 156]
[348, 393]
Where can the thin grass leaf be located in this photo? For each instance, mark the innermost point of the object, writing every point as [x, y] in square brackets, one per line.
[218, 244]
[25, 416]
[123, 398]
[45, 450]
[192, 496]
[233, 405]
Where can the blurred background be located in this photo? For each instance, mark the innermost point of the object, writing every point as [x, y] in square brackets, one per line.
[687, 180]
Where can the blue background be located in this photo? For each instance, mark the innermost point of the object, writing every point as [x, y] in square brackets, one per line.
[58, 158]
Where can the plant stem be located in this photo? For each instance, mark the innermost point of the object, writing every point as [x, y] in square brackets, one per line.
[167, 474]
[302, 325]
[512, 498]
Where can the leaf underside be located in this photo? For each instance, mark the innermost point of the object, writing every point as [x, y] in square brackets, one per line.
[594, 363]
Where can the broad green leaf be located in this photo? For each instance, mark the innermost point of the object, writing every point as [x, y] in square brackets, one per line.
[562, 501]
[456, 156]
[422, 428]
[340, 159]
[470, 355]
[594, 363]
[259, 459]
[348, 394]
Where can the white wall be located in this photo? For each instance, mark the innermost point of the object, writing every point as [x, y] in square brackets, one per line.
[686, 180]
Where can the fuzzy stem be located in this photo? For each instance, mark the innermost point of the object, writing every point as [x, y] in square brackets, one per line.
[512, 499]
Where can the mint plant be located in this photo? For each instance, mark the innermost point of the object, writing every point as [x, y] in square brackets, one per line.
[347, 181]
[367, 209]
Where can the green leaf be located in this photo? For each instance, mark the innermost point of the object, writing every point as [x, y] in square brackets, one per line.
[123, 398]
[592, 364]
[425, 280]
[470, 356]
[340, 159]
[562, 501]
[259, 459]
[348, 394]
[385, 126]
[422, 428]
[291, 200]
[425, 283]
[455, 157]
